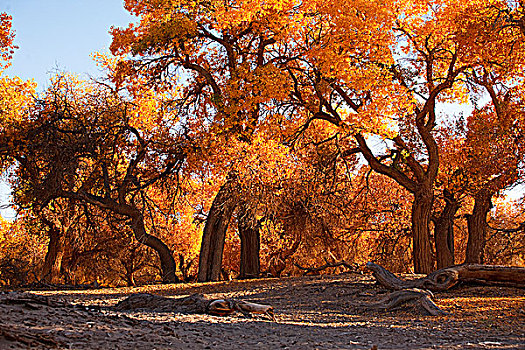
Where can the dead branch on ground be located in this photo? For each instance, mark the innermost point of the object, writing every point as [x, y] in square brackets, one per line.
[195, 303]
[316, 270]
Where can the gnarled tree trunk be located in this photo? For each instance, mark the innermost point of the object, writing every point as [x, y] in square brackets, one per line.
[420, 183]
[421, 213]
[250, 265]
[477, 227]
[214, 235]
[167, 263]
[54, 255]
[444, 232]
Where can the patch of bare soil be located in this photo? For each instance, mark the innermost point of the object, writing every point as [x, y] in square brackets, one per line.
[321, 312]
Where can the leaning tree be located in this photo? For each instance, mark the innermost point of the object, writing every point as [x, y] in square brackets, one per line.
[84, 142]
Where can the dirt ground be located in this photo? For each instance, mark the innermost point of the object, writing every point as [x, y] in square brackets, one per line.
[318, 312]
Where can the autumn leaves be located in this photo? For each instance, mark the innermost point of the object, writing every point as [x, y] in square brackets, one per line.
[285, 95]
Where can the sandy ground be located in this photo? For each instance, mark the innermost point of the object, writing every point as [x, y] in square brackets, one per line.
[319, 312]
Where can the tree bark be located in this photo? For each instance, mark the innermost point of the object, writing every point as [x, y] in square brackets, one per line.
[250, 266]
[54, 255]
[421, 213]
[214, 235]
[167, 263]
[447, 278]
[477, 227]
[444, 232]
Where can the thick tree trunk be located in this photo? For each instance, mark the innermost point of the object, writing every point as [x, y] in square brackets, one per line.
[421, 213]
[250, 265]
[477, 227]
[214, 235]
[167, 263]
[129, 275]
[444, 232]
[130, 279]
[448, 277]
[54, 255]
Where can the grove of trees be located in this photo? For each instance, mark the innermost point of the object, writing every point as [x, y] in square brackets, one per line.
[265, 138]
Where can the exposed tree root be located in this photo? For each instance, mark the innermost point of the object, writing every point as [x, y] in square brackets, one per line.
[400, 297]
[195, 303]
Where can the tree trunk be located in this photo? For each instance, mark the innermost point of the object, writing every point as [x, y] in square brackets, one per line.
[130, 278]
[167, 263]
[444, 232]
[447, 278]
[214, 235]
[54, 255]
[250, 265]
[421, 213]
[477, 227]
[420, 183]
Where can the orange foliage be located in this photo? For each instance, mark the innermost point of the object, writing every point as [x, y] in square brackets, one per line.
[6, 41]
[21, 254]
[280, 96]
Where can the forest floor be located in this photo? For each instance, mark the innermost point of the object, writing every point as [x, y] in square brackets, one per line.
[312, 312]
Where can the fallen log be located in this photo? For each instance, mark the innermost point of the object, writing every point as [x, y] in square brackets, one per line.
[448, 277]
[195, 303]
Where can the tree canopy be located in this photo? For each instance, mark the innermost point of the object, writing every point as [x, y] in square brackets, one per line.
[289, 133]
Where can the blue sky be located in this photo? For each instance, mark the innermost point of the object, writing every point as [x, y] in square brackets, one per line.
[59, 34]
